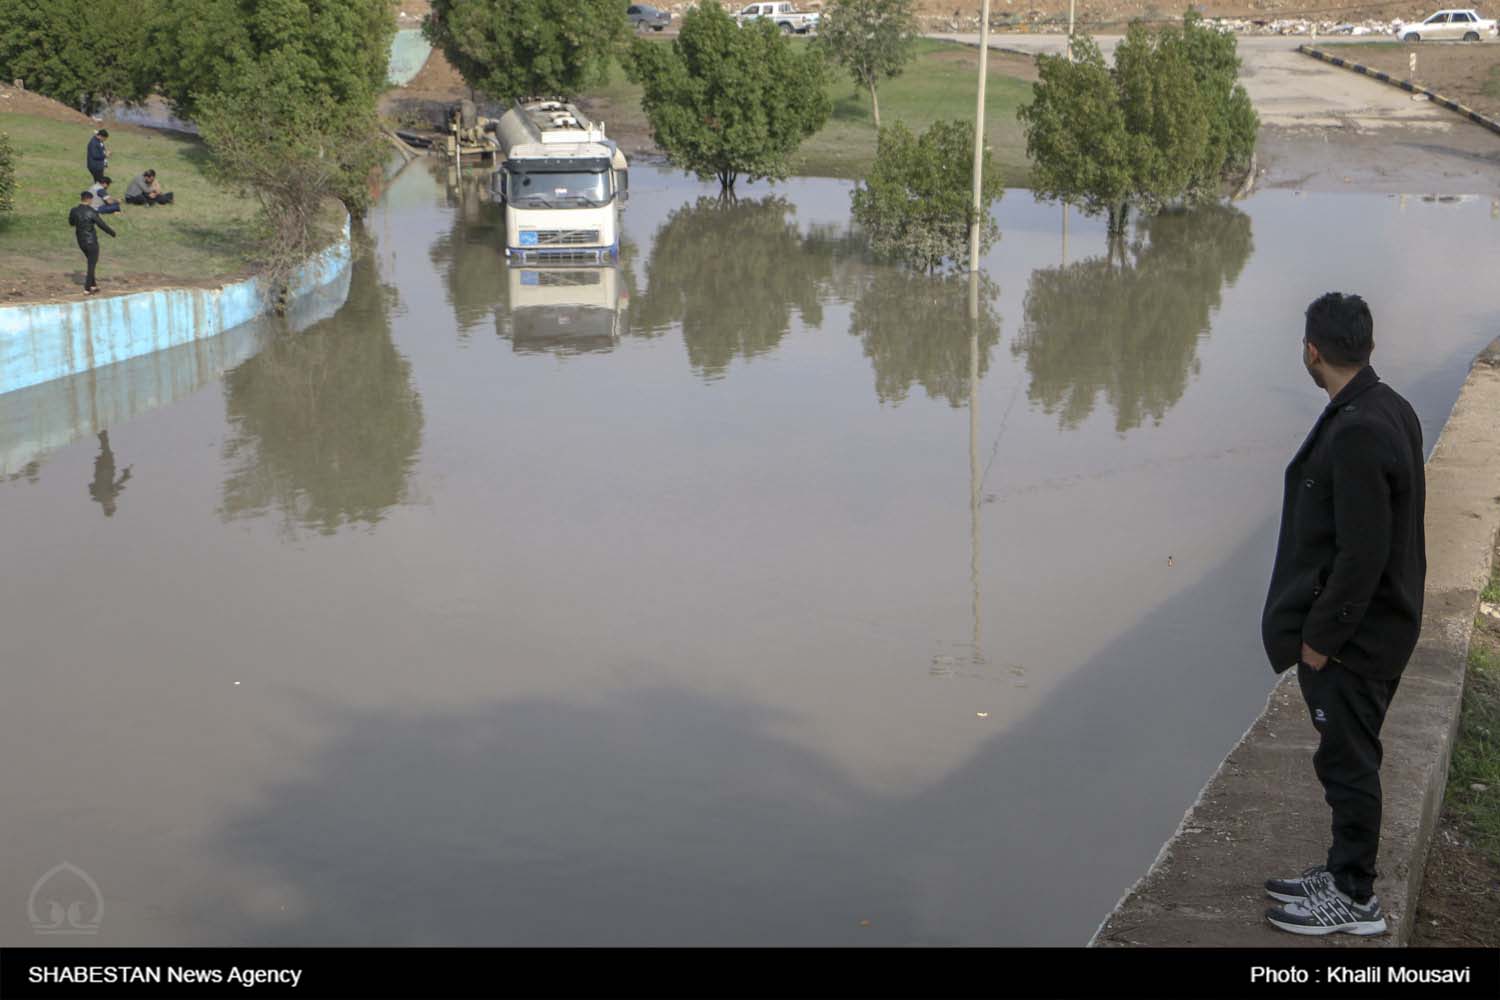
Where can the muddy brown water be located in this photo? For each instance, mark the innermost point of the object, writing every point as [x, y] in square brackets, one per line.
[687, 604]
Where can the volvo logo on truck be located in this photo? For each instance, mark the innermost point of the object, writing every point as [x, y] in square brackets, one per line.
[562, 181]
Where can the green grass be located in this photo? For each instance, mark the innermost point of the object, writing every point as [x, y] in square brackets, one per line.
[938, 84]
[207, 233]
[1476, 755]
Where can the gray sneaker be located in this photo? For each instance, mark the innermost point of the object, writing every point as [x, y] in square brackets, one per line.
[1329, 912]
[1292, 890]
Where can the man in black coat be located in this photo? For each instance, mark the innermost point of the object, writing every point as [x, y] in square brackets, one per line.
[85, 220]
[98, 156]
[1345, 602]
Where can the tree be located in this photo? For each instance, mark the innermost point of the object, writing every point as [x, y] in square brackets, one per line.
[1232, 121]
[294, 151]
[337, 50]
[7, 175]
[725, 100]
[916, 203]
[872, 39]
[1076, 136]
[1166, 114]
[84, 53]
[1168, 124]
[519, 48]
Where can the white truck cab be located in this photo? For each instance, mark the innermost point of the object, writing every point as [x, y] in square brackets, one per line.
[562, 181]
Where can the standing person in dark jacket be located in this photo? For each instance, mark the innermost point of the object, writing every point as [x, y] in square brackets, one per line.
[84, 220]
[1345, 602]
[98, 156]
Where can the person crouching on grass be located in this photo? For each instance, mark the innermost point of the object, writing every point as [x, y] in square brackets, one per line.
[85, 220]
[1345, 602]
[104, 203]
[144, 190]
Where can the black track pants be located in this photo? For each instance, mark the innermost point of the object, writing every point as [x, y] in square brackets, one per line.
[1348, 711]
[91, 253]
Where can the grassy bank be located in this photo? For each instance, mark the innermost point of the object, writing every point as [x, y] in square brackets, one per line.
[938, 84]
[1473, 793]
[203, 238]
[1460, 903]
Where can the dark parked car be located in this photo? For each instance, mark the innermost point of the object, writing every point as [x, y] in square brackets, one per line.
[642, 15]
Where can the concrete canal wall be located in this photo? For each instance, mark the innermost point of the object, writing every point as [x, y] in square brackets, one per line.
[41, 418]
[1262, 813]
[46, 341]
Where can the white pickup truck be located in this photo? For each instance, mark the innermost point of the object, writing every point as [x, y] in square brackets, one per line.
[1460, 25]
[784, 15]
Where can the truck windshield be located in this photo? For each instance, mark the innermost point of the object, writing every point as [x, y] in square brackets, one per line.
[561, 187]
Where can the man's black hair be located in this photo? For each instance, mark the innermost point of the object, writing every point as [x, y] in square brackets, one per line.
[106, 181]
[103, 133]
[150, 173]
[1341, 328]
[86, 194]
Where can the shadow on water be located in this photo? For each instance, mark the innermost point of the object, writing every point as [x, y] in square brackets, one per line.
[324, 426]
[527, 822]
[1128, 329]
[730, 273]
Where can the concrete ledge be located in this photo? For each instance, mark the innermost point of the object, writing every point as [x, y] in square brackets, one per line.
[1262, 812]
[39, 343]
[41, 418]
[1406, 85]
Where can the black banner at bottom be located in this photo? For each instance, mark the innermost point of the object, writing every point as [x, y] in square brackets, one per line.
[378, 973]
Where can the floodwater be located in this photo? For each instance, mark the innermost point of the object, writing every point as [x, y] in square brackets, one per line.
[750, 593]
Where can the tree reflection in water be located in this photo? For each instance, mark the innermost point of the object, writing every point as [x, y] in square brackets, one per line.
[916, 330]
[1128, 328]
[471, 255]
[730, 272]
[325, 425]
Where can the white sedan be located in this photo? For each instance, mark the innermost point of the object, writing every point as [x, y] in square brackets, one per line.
[1462, 25]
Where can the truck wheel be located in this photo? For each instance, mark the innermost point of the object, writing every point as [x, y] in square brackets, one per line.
[786, 27]
[1472, 36]
[1412, 37]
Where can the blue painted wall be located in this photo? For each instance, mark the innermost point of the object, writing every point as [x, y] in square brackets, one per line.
[39, 343]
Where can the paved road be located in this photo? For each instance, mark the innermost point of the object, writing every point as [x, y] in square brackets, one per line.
[1287, 88]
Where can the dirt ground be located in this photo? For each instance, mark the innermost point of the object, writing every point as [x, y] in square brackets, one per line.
[1460, 903]
[1469, 73]
[22, 102]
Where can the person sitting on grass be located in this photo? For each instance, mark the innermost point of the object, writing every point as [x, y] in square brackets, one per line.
[146, 190]
[102, 201]
[85, 221]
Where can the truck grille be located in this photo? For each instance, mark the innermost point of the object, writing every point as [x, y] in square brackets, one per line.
[566, 237]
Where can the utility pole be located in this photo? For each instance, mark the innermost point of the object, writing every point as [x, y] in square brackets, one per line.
[984, 62]
[1070, 30]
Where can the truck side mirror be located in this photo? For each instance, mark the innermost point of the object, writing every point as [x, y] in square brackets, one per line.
[622, 184]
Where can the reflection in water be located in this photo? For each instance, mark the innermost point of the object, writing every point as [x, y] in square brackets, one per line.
[916, 330]
[325, 425]
[731, 272]
[1130, 328]
[471, 255]
[566, 310]
[106, 488]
